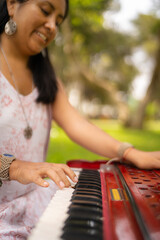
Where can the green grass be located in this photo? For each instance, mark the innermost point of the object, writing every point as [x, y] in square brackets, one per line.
[61, 148]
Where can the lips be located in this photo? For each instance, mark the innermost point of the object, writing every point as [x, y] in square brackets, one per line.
[42, 36]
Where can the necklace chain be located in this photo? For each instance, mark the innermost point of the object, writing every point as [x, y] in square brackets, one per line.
[28, 130]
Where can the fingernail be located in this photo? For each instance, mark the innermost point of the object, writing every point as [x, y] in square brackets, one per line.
[45, 184]
[75, 179]
[61, 184]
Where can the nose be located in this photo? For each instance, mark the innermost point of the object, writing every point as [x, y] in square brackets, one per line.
[51, 25]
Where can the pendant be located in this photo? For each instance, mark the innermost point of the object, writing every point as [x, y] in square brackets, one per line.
[28, 132]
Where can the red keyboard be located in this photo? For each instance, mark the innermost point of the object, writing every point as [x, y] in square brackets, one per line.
[130, 202]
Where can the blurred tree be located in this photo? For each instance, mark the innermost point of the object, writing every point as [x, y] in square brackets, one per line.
[148, 38]
[93, 58]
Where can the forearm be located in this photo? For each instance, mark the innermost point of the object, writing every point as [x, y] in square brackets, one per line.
[94, 139]
[80, 130]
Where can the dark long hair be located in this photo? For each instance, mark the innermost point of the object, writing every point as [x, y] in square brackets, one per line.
[43, 72]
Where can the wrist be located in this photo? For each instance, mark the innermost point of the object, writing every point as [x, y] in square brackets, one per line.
[13, 169]
[123, 149]
[6, 161]
[129, 155]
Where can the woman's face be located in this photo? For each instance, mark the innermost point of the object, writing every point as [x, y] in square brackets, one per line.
[37, 23]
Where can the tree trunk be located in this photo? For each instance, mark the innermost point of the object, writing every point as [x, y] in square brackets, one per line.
[153, 93]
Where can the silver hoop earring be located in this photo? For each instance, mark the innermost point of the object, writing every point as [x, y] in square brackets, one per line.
[10, 27]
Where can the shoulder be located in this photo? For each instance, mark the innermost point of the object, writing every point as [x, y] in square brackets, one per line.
[62, 109]
[61, 94]
[61, 98]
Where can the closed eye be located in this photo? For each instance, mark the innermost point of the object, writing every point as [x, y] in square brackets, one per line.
[46, 13]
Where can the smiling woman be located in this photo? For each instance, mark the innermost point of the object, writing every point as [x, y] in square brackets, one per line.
[33, 36]
[30, 98]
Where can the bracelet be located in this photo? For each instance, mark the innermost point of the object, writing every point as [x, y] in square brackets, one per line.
[6, 160]
[126, 153]
[123, 147]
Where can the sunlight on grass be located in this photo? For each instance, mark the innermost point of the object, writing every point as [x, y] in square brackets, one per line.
[61, 148]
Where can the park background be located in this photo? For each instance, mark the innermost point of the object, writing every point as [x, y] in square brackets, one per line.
[111, 72]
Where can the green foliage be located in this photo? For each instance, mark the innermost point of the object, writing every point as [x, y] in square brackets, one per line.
[61, 148]
[151, 110]
[86, 18]
[148, 29]
[102, 51]
[146, 25]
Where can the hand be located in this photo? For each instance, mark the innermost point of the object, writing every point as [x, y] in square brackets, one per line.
[141, 159]
[155, 154]
[29, 172]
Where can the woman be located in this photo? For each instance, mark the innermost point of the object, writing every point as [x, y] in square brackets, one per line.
[30, 97]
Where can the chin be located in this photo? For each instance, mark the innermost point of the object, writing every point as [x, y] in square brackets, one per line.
[34, 49]
[34, 52]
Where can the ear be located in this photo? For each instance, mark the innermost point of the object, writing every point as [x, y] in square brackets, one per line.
[11, 4]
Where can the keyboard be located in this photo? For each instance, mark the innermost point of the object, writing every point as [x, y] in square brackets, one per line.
[109, 202]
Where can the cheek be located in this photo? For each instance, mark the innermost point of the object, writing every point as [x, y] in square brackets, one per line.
[26, 39]
[25, 28]
[27, 18]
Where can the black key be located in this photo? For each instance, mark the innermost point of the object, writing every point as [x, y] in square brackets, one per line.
[78, 207]
[74, 233]
[85, 215]
[86, 198]
[91, 193]
[85, 223]
[90, 186]
[93, 177]
[88, 190]
[89, 182]
[86, 203]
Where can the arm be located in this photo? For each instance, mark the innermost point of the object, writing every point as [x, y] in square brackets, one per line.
[80, 130]
[94, 139]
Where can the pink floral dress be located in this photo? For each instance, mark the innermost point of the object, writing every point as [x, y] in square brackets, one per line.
[22, 205]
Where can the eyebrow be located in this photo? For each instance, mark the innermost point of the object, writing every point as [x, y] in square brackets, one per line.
[53, 8]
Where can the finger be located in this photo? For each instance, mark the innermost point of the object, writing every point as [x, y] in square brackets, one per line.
[63, 176]
[40, 181]
[69, 172]
[52, 174]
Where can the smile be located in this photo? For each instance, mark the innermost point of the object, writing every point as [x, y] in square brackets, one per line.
[44, 38]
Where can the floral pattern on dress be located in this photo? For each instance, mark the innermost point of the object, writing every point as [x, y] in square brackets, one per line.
[22, 205]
